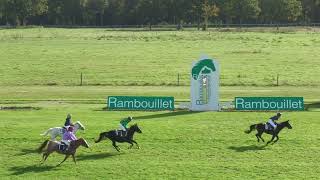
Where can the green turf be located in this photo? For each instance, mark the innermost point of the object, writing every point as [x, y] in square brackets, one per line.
[39, 68]
[98, 94]
[57, 57]
[174, 145]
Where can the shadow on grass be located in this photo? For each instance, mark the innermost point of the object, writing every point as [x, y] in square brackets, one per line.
[167, 114]
[95, 156]
[315, 105]
[247, 148]
[18, 170]
[26, 151]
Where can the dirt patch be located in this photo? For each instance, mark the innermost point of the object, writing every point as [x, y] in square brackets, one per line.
[19, 108]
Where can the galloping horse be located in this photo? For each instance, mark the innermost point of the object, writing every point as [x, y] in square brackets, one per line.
[58, 131]
[261, 129]
[53, 146]
[117, 136]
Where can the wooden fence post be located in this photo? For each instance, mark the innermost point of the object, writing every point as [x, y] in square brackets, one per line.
[81, 77]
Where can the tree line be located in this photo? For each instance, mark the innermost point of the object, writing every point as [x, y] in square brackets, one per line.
[152, 12]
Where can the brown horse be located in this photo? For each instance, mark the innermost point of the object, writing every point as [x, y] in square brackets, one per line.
[53, 146]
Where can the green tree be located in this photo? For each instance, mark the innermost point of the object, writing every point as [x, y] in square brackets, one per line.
[275, 11]
[241, 10]
[21, 10]
[311, 10]
[208, 10]
[94, 8]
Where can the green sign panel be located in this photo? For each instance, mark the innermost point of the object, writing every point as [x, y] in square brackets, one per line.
[269, 103]
[140, 103]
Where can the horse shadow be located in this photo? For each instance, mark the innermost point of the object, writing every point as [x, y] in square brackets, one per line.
[26, 151]
[247, 148]
[167, 114]
[95, 156]
[18, 170]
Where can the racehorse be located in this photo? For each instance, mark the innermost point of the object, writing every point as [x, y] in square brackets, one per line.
[262, 129]
[58, 131]
[53, 146]
[120, 136]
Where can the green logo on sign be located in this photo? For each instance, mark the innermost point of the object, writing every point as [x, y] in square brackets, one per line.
[140, 103]
[204, 66]
[269, 103]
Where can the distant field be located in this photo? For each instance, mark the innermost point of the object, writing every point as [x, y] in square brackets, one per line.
[98, 94]
[57, 57]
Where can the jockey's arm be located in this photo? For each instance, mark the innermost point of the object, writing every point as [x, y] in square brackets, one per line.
[73, 137]
[272, 123]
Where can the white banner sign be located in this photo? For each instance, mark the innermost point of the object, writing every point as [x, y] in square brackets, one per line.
[205, 85]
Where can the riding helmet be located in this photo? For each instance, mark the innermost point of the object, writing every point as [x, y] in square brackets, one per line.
[70, 128]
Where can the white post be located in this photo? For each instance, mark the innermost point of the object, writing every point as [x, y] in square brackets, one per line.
[205, 85]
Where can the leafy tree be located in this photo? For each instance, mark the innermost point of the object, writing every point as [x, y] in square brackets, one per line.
[208, 10]
[21, 10]
[311, 10]
[281, 10]
[241, 9]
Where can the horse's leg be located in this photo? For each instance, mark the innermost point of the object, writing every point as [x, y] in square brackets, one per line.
[115, 146]
[64, 160]
[131, 144]
[260, 135]
[257, 135]
[44, 157]
[273, 136]
[74, 159]
[136, 143]
[277, 138]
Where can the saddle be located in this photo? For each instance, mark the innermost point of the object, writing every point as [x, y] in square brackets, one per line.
[121, 133]
[63, 146]
[268, 127]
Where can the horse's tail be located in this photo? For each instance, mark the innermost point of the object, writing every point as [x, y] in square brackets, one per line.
[252, 127]
[101, 136]
[42, 146]
[46, 133]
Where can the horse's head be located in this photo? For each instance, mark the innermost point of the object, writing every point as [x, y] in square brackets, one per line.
[83, 142]
[135, 128]
[80, 126]
[287, 124]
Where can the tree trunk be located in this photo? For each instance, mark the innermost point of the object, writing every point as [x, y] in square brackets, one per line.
[101, 19]
[198, 22]
[24, 21]
[205, 26]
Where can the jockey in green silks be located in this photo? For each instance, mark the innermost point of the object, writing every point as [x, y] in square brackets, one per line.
[124, 123]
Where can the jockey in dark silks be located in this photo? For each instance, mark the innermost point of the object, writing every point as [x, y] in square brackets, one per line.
[68, 122]
[273, 119]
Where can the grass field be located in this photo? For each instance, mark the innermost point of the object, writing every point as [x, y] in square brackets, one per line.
[40, 69]
[174, 145]
[57, 57]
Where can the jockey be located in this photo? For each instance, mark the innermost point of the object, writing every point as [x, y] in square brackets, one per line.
[68, 122]
[272, 120]
[125, 122]
[68, 136]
